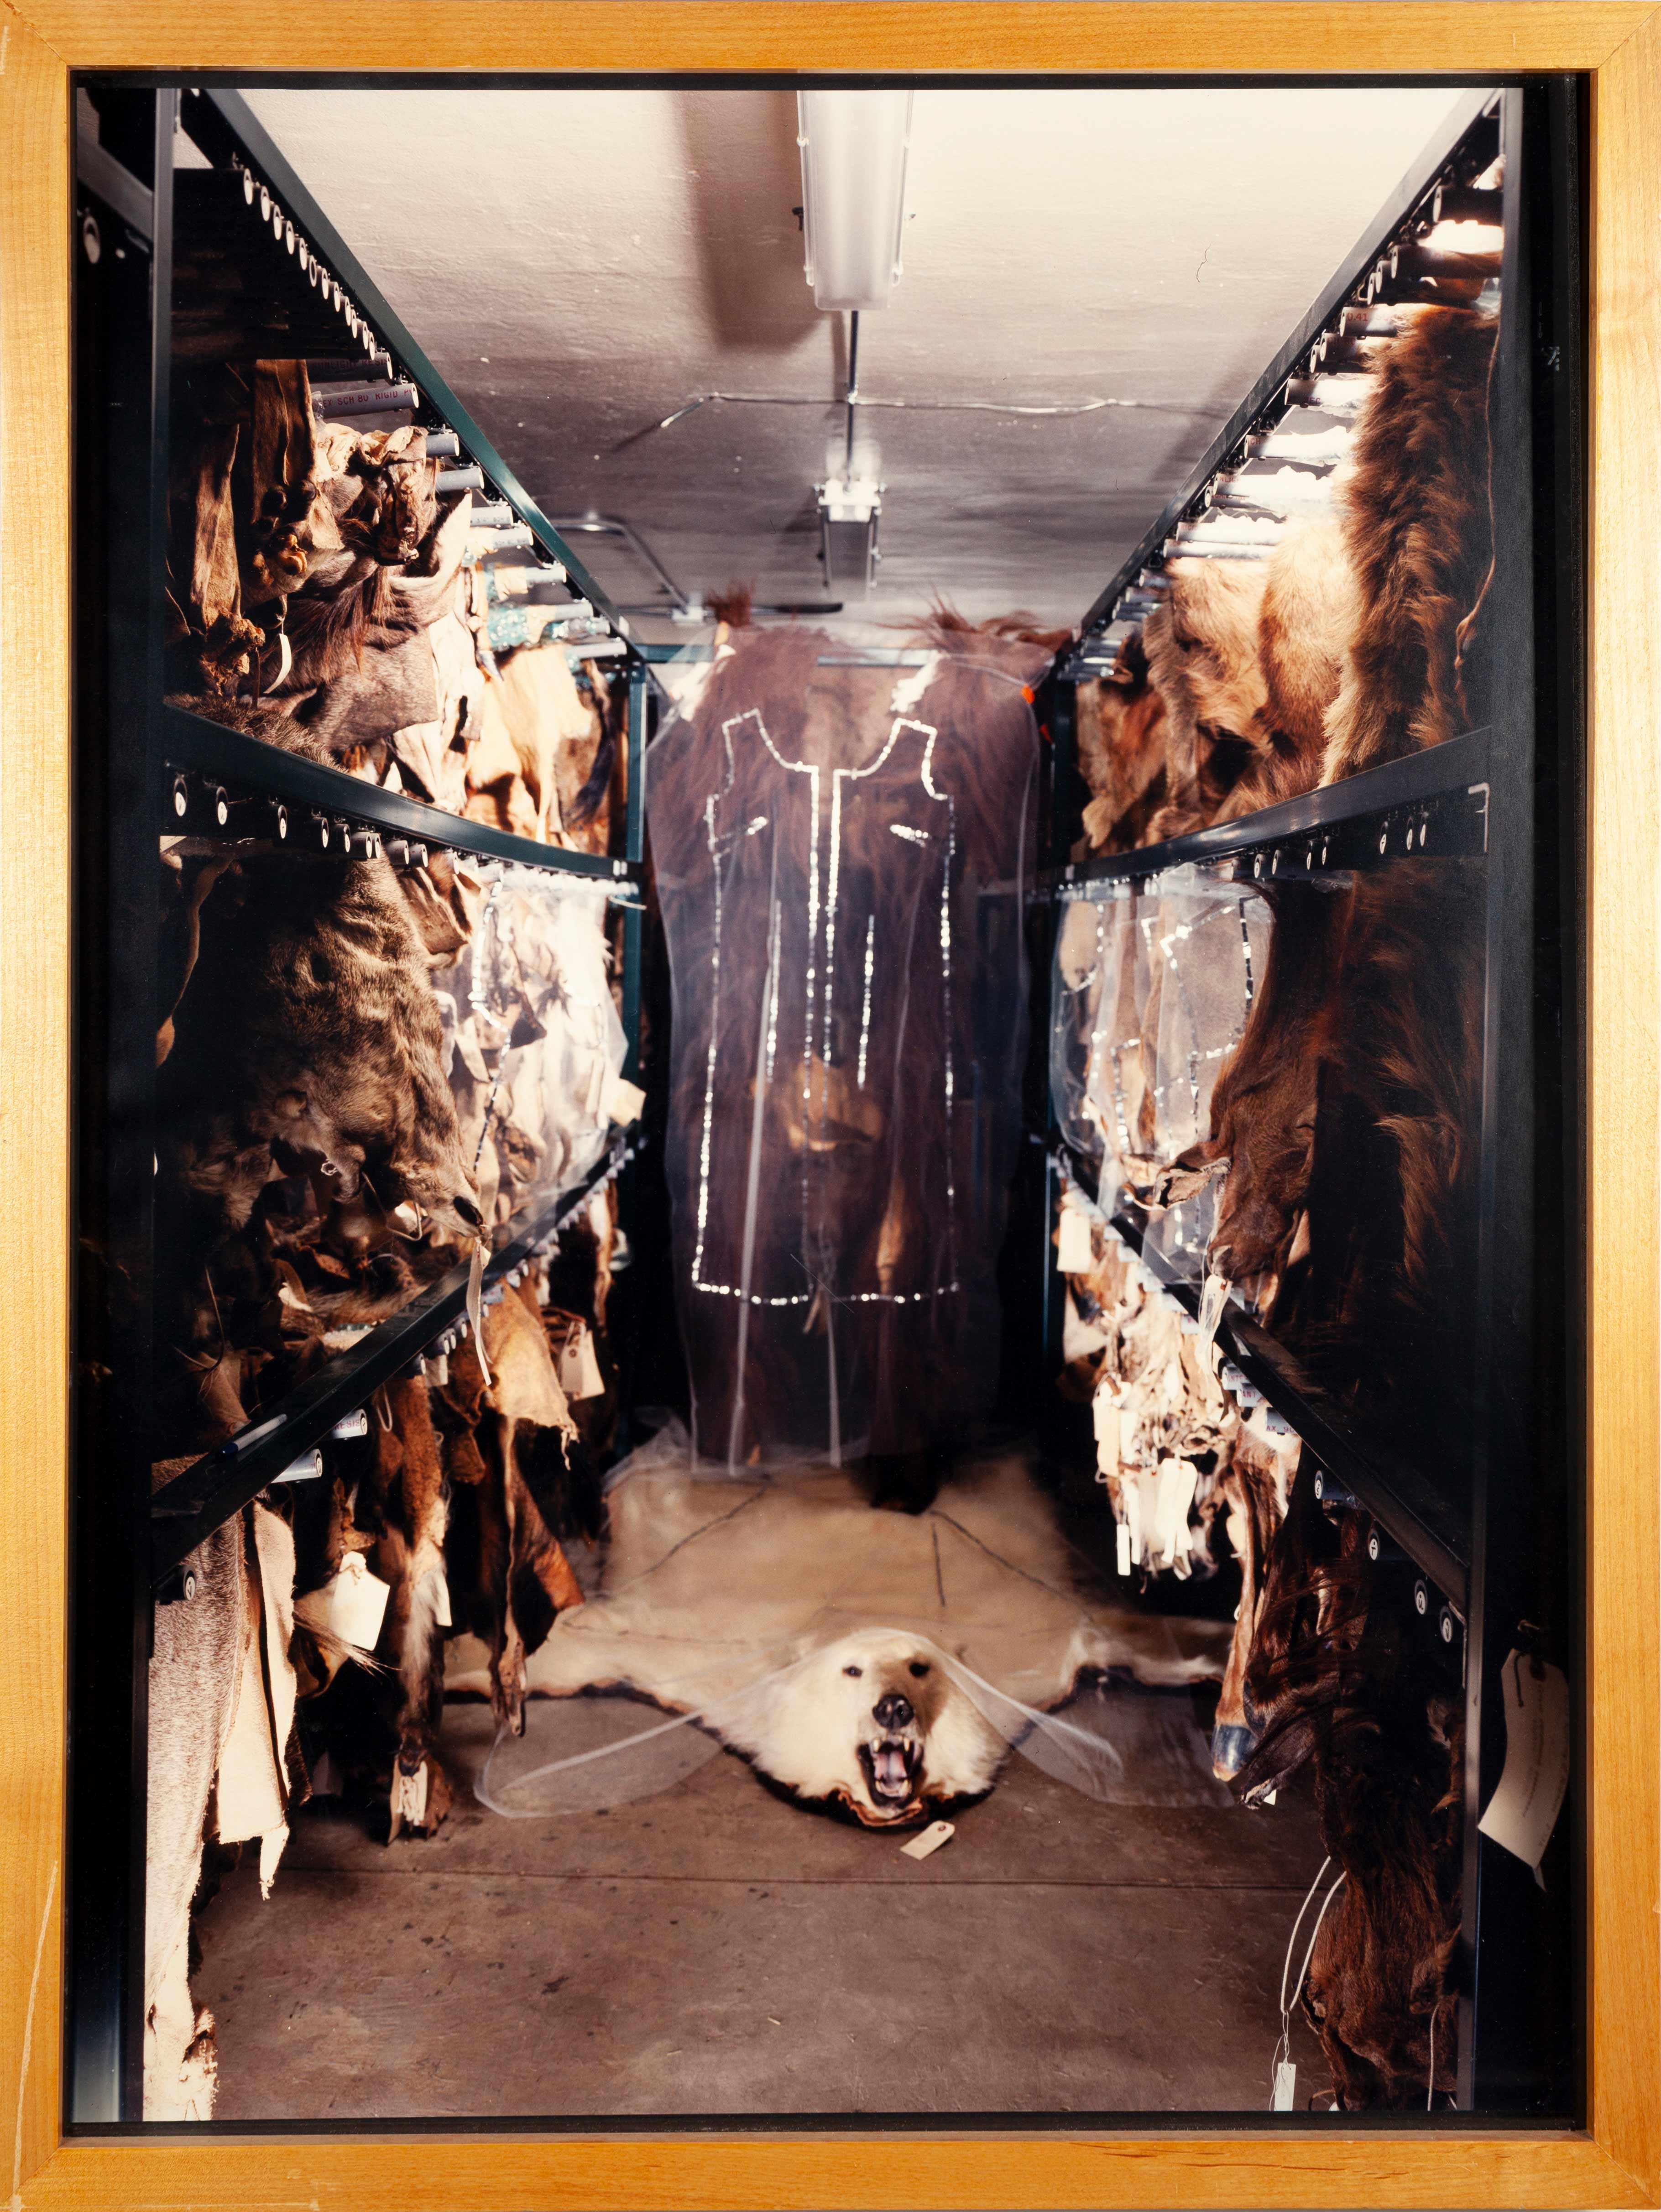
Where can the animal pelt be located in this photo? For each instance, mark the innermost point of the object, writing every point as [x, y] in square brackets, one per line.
[712, 1587]
[1264, 1101]
[304, 1084]
[1255, 1489]
[873, 1722]
[1304, 628]
[1344, 1127]
[511, 1575]
[221, 1761]
[1122, 745]
[282, 466]
[1333, 1678]
[382, 489]
[550, 729]
[733, 606]
[579, 1281]
[1389, 1286]
[1380, 1991]
[587, 811]
[948, 631]
[1415, 518]
[211, 644]
[1201, 645]
[932, 815]
[308, 1034]
[407, 1508]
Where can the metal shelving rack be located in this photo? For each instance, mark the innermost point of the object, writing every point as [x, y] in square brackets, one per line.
[131, 749]
[143, 767]
[1501, 1562]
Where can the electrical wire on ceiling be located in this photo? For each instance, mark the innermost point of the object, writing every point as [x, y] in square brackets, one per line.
[915, 406]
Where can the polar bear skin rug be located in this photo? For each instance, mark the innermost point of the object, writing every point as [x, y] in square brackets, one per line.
[883, 1662]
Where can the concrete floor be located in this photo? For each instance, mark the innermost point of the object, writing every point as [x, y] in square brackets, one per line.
[716, 1950]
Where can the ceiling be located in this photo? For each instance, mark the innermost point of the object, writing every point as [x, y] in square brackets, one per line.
[578, 263]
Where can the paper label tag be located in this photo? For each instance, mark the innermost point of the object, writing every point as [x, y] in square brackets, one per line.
[1075, 1252]
[1131, 1492]
[1175, 1494]
[357, 1602]
[1523, 1811]
[409, 1799]
[1124, 1547]
[937, 1833]
[1080, 1338]
[1286, 2084]
[579, 1370]
[1106, 1420]
[622, 1100]
[440, 1595]
[1104, 1413]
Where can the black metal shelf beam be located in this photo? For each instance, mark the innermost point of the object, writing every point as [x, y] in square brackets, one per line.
[244, 765]
[1439, 794]
[1352, 275]
[1423, 1523]
[222, 123]
[187, 1510]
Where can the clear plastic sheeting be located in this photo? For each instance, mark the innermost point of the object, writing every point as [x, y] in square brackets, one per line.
[784, 1620]
[842, 855]
[533, 1044]
[1153, 984]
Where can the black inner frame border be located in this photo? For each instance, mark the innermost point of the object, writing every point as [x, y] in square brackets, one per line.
[1561, 669]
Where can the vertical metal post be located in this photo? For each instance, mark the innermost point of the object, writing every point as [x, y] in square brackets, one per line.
[122, 340]
[1516, 1992]
[1059, 818]
[639, 707]
[627, 1344]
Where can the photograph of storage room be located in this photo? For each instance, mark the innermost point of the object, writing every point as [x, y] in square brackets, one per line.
[837, 1071]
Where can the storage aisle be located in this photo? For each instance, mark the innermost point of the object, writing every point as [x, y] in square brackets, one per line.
[710, 1950]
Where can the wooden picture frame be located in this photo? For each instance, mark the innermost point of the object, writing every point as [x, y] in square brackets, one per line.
[1617, 2159]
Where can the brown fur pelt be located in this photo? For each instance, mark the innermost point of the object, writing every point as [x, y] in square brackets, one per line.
[407, 1509]
[1389, 1286]
[1263, 1102]
[1254, 1491]
[309, 1033]
[1304, 628]
[1380, 1991]
[947, 630]
[589, 807]
[510, 1573]
[283, 466]
[302, 1101]
[1345, 1123]
[212, 645]
[878, 1157]
[733, 606]
[1122, 745]
[1416, 522]
[1203, 661]
[1339, 1674]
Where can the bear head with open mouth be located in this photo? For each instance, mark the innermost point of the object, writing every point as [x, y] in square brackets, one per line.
[874, 1722]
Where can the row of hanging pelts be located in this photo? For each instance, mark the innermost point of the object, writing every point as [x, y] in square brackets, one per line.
[1454, 231]
[283, 231]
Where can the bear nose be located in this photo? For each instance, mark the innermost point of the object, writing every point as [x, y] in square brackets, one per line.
[893, 1711]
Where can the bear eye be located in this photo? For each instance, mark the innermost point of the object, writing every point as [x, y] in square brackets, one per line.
[919, 1668]
[855, 1671]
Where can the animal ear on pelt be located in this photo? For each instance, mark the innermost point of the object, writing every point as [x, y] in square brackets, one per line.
[1188, 1174]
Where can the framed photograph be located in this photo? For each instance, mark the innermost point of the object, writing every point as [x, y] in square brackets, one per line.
[831, 981]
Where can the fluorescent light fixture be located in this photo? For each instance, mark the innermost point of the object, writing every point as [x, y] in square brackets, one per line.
[850, 512]
[854, 193]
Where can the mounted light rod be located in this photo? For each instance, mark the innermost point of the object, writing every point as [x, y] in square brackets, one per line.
[853, 146]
